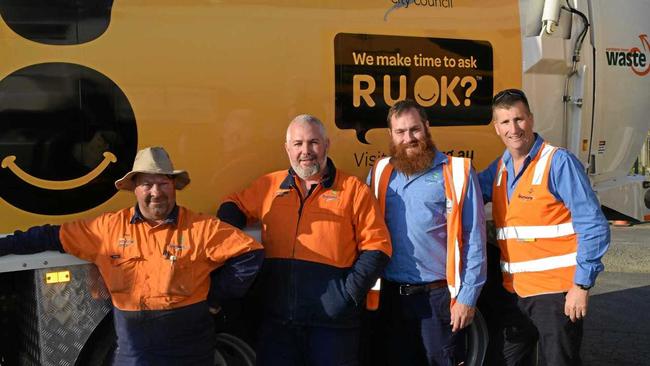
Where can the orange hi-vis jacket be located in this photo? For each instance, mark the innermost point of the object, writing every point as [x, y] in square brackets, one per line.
[323, 249]
[534, 230]
[155, 268]
[456, 176]
[330, 227]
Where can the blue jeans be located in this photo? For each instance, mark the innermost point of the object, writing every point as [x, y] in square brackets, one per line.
[303, 345]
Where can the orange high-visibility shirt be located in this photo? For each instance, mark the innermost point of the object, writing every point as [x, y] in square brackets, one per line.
[154, 268]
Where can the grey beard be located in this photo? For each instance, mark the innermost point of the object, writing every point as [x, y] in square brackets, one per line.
[307, 172]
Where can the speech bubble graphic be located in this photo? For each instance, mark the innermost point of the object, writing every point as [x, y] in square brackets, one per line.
[67, 132]
[57, 22]
[451, 78]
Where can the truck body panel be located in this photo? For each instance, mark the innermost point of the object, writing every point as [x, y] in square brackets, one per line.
[84, 85]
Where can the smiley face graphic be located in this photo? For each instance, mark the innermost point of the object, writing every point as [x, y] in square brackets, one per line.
[67, 132]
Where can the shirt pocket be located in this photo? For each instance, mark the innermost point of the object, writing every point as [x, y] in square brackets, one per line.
[119, 268]
[176, 277]
[435, 202]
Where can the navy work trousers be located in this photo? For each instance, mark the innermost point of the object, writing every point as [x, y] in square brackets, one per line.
[181, 336]
[414, 329]
[559, 338]
[302, 345]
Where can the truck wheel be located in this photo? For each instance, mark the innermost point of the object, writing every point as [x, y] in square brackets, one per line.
[477, 340]
[101, 345]
[232, 351]
[98, 351]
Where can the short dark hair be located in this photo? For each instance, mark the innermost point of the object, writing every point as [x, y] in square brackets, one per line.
[508, 97]
[404, 105]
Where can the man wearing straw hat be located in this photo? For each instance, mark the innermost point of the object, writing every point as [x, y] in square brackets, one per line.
[156, 259]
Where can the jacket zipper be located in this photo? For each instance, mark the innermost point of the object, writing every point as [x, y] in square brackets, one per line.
[293, 299]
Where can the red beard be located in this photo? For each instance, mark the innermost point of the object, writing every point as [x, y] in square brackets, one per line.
[420, 159]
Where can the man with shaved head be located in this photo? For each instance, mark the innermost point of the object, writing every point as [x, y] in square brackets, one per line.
[325, 243]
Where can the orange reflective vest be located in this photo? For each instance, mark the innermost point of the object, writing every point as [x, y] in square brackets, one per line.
[456, 177]
[534, 231]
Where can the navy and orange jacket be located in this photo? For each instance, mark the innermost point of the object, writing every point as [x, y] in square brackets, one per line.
[324, 249]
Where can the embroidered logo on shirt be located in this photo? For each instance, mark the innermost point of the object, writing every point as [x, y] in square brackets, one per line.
[525, 198]
[450, 205]
[177, 247]
[433, 178]
[331, 195]
[124, 241]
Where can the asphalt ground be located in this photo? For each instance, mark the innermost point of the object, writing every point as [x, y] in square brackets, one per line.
[617, 327]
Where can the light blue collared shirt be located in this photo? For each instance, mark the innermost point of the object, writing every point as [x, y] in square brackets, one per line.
[416, 219]
[570, 185]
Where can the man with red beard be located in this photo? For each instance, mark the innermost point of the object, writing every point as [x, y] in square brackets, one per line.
[434, 212]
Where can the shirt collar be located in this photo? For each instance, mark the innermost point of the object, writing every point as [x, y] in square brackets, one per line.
[327, 181]
[172, 218]
[439, 158]
[507, 158]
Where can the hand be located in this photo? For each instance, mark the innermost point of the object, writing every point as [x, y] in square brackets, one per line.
[461, 316]
[575, 306]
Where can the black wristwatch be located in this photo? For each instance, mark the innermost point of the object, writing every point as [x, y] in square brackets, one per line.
[584, 287]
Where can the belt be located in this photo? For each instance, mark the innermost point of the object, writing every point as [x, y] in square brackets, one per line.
[407, 289]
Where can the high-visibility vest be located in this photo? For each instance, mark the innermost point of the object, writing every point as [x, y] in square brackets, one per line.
[534, 231]
[456, 177]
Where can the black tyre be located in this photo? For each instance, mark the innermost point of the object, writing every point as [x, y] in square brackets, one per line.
[477, 340]
[101, 345]
[232, 351]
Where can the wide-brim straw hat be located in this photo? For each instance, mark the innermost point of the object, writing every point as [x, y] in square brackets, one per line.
[153, 160]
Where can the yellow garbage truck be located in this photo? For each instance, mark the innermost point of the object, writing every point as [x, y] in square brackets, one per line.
[85, 83]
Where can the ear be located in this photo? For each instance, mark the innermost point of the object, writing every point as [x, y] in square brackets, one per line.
[327, 144]
[496, 129]
[532, 120]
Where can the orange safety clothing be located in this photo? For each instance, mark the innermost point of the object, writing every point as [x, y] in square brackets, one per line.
[456, 177]
[155, 268]
[534, 230]
[330, 226]
[323, 248]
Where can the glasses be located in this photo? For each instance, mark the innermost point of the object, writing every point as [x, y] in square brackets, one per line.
[518, 94]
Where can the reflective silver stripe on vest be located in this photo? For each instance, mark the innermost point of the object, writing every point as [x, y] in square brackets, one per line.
[454, 290]
[458, 176]
[458, 179]
[538, 265]
[379, 169]
[535, 232]
[538, 175]
[501, 170]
